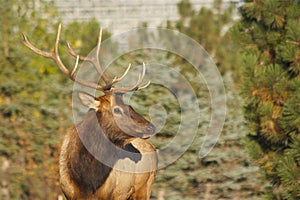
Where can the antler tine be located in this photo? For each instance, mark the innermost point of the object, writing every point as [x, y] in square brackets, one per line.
[141, 76]
[135, 87]
[34, 49]
[94, 60]
[72, 52]
[99, 43]
[116, 79]
[56, 58]
[144, 86]
[54, 55]
[75, 68]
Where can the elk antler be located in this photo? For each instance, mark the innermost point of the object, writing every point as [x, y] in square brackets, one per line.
[54, 55]
[136, 86]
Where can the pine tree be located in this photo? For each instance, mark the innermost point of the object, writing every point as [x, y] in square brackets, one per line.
[269, 34]
[223, 173]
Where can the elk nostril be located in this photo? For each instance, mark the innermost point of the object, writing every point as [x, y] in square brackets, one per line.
[151, 128]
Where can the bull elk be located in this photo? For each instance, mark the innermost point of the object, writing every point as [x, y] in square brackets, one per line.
[112, 132]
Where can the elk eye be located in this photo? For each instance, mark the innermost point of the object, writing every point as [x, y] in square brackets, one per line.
[117, 111]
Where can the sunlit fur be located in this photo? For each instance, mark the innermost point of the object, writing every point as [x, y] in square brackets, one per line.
[82, 176]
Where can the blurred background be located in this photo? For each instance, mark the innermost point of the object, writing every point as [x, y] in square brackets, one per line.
[255, 45]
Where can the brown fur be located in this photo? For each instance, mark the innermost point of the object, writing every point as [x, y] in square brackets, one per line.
[110, 132]
[83, 176]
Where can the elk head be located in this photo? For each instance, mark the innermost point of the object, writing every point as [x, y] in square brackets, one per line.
[114, 116]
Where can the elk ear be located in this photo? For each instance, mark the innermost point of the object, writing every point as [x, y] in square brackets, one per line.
[88, 100]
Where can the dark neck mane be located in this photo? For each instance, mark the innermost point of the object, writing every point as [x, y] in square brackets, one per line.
[93, 154]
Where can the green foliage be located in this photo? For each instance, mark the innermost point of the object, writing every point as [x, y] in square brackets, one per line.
[34, 98]
[35, 103]
[290, 122]
[269, 32]
[184, 8]
[209, 28]
[83, 36]
[226, 172]
[28, 142]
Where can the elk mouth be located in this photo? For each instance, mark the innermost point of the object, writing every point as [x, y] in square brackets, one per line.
[149, 131]
[146, 136]
[142, 132]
